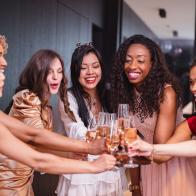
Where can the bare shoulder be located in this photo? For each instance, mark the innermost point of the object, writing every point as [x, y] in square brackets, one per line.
[169, 93]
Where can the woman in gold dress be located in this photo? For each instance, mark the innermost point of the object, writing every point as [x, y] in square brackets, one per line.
[15, 178]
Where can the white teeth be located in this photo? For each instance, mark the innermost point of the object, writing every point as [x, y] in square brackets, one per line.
[90, 79]
[133, 74]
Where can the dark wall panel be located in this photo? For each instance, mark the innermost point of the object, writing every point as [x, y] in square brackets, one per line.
[71, 29]
[92, 9]
[30, 25]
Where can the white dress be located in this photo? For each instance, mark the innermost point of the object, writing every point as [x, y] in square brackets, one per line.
[108, 183]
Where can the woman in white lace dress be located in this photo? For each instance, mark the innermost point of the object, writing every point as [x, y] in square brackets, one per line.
[86, 101]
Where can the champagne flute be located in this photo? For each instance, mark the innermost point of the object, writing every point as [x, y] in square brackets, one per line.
[103, 125]
[123, 112]
[130, 136]
[91, 132]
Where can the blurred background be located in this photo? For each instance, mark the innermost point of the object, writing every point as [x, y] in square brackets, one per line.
[30, 25]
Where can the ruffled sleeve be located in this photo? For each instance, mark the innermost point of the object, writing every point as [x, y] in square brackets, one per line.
[27, 108]
[76, 129]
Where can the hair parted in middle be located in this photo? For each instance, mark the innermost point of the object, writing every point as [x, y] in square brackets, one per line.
[34, 76]
[77, 89]
[152, 88]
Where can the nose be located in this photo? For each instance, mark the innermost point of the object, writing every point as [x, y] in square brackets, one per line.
[131, 65]
[3, 63]
[54, 75]
[89, 70]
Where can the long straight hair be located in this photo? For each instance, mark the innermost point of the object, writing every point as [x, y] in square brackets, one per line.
[77, 89]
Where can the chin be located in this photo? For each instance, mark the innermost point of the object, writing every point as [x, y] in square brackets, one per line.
[53, 92]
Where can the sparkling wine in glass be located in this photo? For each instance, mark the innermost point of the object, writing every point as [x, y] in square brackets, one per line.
[130, 135]
[91, 132]
[103, 125]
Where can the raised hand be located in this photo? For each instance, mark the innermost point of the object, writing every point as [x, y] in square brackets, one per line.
[140, 148]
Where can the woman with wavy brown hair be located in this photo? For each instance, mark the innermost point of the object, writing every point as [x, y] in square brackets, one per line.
[140, 77]
[42, 76]
[15, 178]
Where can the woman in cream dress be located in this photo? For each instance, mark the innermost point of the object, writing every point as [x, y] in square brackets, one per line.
[86, 101]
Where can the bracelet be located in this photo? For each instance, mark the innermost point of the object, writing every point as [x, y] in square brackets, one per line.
[134, 187]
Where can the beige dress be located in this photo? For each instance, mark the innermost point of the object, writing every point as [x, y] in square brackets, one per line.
[16, 178]
[173, 178]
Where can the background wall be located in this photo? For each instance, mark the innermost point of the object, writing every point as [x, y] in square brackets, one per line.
[132, 24]
[30, 25]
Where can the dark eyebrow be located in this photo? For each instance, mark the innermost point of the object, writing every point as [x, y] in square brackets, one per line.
[140, 55]
[129, 55]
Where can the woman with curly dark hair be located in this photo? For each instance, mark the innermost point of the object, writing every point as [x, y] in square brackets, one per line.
[140, 77]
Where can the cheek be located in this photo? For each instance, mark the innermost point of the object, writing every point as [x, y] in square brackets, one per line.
[147, 69]
[99, 73]
[193, 87]
[48, 79]
[81, 76]
[61, 77]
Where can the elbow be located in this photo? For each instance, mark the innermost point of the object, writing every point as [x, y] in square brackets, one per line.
[159, 159]
[34, 136]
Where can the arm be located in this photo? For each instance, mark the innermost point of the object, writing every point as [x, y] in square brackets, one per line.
[182, 132]
[187, 149]
[166, 122]
[47, 162]
[73, 129]
[46, 138]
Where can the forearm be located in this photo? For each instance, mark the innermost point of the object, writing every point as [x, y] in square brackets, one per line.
[58, 142]
[182, 133]
[187, 148]
[56, 165]
[43, 137]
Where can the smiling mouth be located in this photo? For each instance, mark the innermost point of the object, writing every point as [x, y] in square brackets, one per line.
[90, 80]
[133, 75]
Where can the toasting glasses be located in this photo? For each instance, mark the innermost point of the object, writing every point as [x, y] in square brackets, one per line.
[127, 132]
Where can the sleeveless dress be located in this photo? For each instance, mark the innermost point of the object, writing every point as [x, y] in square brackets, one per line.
[16, 178]
[108, 183]
[175, 177]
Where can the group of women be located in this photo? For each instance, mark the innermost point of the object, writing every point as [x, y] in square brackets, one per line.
[140, 78]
